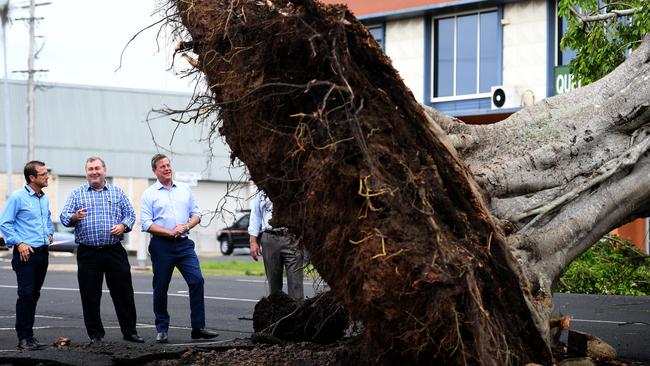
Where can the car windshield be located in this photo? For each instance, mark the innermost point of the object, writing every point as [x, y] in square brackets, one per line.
[243, 222]
[58, 227]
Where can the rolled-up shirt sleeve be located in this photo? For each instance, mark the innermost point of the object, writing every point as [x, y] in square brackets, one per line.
[146, 211]
[7, 220]
[255, 221]
[194, 208]
[128, 213]
[50, 225]
[68, 210]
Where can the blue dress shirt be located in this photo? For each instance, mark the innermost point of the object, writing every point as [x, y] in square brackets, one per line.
[26, 219]
[167, 207]
[106, 208]
[261, 214]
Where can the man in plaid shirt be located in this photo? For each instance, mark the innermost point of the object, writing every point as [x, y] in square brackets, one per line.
[101, 213]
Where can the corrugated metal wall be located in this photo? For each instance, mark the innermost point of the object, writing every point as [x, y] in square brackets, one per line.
[74, 122]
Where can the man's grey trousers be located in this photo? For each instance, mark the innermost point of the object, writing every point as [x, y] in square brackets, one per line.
[278, 252]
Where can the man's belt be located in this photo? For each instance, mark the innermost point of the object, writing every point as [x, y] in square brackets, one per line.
[98, 247]
[167, 238]
[280, 232]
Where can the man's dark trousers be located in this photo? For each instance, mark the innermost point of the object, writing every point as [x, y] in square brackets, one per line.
[94, 263]
[167, 253]
[30, 276]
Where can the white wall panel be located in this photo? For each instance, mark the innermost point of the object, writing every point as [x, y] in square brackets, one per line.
[524, 46]
[220, 204]
[405, 46]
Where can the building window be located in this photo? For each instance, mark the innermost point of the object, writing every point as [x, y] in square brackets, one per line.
[465, 54]
[377, 31]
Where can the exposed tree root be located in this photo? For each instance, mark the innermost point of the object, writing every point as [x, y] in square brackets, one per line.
[392, 220]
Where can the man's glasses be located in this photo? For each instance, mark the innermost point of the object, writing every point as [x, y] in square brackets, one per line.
[43, 174]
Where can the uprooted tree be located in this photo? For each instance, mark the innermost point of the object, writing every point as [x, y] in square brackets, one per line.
[447, 255]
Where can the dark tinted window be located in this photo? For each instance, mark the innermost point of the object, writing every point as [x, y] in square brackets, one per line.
[465, 54]
[444, 51]
[243, 222]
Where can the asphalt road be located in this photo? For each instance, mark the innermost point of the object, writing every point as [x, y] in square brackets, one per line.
[624, 322]
[229, 303]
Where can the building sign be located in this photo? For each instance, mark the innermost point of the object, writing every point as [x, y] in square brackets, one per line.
[189, 178]
[563, 80]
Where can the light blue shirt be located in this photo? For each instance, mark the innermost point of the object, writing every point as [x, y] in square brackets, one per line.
[106, 208]
[26, 218]
[261, 214]
[167, 207]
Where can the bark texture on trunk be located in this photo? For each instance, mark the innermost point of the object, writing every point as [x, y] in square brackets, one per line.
[391, 216]
[567, 170]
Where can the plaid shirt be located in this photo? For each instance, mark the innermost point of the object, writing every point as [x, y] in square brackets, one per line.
[106, 208]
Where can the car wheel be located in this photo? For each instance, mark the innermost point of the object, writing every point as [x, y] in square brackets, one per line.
[226, 247]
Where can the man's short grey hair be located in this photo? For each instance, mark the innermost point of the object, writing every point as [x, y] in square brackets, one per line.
[94, 158]
[156, 158]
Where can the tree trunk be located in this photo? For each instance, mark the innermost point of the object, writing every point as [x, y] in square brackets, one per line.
[440, 268]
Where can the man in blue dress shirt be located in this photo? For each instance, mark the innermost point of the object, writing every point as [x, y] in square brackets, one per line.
[26, 226]
[278, 247]
[168, 212]
[100, 214]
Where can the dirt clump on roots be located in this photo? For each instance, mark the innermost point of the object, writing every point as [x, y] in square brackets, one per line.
[392, 220]
[318, 319]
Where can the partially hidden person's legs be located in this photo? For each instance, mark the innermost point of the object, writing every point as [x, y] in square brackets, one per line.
[188, 264]
[120, 285]
[162, 261]
[29, 277]
[293, 260]
[272, 261]
[90, 274]
[40, 270]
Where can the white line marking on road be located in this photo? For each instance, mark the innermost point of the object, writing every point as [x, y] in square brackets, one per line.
[205, 297]
[143, 293]
[304, 283]
[607, 322]
[253, 281]
[199, 343]
[44, 327]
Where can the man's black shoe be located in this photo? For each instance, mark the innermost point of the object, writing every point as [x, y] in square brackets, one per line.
[27, 344]
[36, 342]
[203, 334]
[161, 337]
[133, 338]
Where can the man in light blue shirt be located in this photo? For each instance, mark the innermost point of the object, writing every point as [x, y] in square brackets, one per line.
[278, 248]
[168, 212]
[101, 213]
[27, 229]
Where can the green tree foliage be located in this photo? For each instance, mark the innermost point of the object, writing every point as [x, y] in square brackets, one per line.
[613, 266]
[601, 35]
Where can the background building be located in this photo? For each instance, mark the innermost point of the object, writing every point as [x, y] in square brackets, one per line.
[478, 60]
[75, 122]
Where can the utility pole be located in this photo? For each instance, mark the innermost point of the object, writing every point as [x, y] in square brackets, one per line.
[31, 85]
[4, 19]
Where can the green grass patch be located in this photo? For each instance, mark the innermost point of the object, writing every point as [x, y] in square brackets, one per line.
[239, 268]
[612, 266]
[232, 268]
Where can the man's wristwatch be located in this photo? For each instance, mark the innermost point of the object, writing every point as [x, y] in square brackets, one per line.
[126, 228]
[187, 228]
